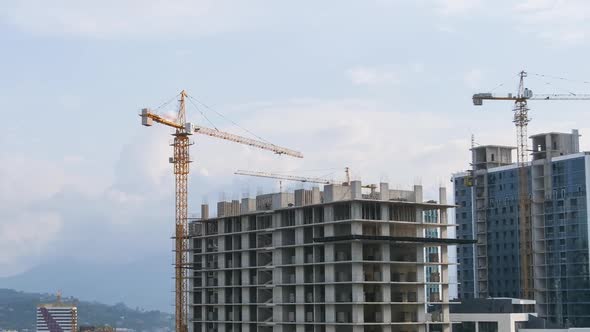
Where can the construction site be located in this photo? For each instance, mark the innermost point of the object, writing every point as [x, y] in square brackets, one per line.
[367, 257]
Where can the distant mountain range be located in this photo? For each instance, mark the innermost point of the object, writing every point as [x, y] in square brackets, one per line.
[145, 284]
[18, 312]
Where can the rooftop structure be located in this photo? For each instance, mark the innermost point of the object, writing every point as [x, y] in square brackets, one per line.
[341, 259]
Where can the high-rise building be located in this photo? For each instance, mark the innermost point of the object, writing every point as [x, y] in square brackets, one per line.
[488, 210]
[57, 317]
[338, 260]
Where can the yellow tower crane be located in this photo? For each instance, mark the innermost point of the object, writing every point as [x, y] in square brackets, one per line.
[521, 121]
[181, 163]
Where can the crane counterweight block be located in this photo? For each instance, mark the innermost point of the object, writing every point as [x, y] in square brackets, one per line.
[145, 119]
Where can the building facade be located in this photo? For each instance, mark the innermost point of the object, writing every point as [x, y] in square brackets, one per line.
[337, 260]
[488, 210]
[57, 317]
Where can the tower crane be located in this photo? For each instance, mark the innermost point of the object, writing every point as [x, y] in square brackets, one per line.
[181, 161]
[521, 121]
[300, 178]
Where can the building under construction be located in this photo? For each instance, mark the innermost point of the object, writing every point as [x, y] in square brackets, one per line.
[488, 210]
[343, 259]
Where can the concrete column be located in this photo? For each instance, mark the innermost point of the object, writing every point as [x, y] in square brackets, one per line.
[356, 189]
[329, 273]
[299, 278]
[384, 191]
[299, 235]
[356, 228]
[277, 328]
[358, 314]
[357, 272]
[330, 311]
[329, 252]
[356, 250]
[355, 210]
[300, 318]
[300, 254]
[329, 230]
[418, 193]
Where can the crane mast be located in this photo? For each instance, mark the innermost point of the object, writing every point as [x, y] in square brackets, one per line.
[521, 120]
[181, 161]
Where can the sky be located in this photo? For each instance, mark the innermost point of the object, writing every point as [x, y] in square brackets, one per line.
[383, 87]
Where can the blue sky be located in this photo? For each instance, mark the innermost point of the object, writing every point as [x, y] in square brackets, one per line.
[381, 86]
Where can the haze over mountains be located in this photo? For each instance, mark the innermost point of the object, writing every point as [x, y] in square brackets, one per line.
[145, 284]
[18, 312]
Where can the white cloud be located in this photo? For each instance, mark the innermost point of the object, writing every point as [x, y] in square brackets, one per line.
[112, 19]
[364, 75]
[558, 20]
[457, 7]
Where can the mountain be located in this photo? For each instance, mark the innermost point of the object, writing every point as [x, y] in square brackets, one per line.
[18, 312]
[146, 283]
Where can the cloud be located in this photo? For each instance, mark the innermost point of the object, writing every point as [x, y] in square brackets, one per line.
[557, 20]
[457, 7]
[112, 19]
[364, 75]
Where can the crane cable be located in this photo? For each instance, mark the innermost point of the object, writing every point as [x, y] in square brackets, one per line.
[556, 87]
[203, 114]
[227, 119]
[166, 103]
[560, 78]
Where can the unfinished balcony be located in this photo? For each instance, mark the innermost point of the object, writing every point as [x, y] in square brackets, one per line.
[402, 253]
[372, 252]
[403, 230]
[343, 293]
[288, 256]
[288, 275]
[404, 296]
[372, 272]
[343, 273]
[342, 252]
[373, 293]
[343, 313]
[403, 276]
[289, 314]
[289, 294]
[373, 313]
[402, 213]
[404, 316]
